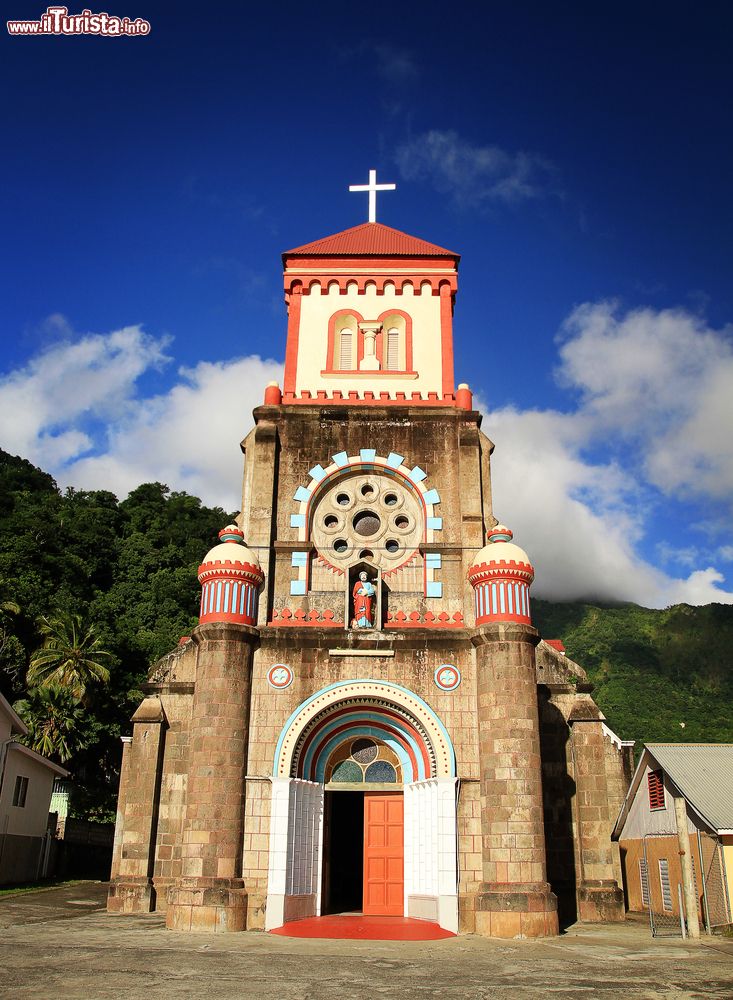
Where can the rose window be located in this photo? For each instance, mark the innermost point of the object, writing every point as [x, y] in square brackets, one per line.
[378, 510]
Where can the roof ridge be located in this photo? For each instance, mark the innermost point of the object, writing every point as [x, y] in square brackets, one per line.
[371, 239]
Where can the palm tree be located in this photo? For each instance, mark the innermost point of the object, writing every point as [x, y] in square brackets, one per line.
[69, 657]
[56, 722]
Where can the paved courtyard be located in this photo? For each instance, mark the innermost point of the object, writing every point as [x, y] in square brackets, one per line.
[61, 943]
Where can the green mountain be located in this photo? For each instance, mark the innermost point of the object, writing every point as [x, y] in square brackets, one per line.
[659, 675]
[129, 568]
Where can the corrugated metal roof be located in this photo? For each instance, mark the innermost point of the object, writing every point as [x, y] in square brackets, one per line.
[703, 772]
[371, 239]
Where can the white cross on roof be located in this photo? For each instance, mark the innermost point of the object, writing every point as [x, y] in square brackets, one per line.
[372, 187]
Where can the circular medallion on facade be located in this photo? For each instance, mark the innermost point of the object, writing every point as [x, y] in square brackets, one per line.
[447, 677]
[280, 676]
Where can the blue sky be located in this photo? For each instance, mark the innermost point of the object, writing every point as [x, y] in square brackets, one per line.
[578, 156]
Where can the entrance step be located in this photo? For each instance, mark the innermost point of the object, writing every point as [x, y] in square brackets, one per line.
[365, 928]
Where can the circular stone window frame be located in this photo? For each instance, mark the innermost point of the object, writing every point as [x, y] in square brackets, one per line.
[392, 508]
[332, 529]
[408, 539]
[280, 676]
[404, 529]
[448, 668]
[371, 482]
[360, 515]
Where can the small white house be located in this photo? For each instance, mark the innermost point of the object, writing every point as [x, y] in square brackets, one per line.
[26, 783]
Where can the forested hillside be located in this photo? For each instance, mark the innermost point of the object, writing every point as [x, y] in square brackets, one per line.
[658, 675]
[128, 569]
[109, 586]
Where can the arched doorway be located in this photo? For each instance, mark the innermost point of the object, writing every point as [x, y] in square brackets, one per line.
[363, 828]
[360, 768]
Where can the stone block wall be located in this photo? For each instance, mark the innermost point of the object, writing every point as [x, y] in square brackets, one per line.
[177, 699]
[256, 849]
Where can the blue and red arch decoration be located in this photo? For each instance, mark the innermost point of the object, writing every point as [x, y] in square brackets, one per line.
[387, 712]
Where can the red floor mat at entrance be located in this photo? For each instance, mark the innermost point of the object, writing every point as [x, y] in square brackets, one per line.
[366, 928]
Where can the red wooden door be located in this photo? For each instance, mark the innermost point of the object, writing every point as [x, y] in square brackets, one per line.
[383, 855]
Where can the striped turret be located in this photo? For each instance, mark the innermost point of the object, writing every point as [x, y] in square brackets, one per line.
[230, 577]
[501, 577]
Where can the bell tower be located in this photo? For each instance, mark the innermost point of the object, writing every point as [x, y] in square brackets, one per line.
[370, 319]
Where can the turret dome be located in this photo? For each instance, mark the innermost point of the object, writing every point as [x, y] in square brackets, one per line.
[230, 577]
[231, 548]
[501, 575]
[501, 549]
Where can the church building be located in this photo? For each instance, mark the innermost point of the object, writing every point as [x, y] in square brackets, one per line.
[365, 720]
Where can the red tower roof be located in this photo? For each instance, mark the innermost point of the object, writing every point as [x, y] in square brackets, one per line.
[371, 239]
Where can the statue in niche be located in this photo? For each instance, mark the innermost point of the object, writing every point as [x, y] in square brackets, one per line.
[365, 596]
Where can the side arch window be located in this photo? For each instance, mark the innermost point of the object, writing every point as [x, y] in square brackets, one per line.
[396, 341]
[343, 341]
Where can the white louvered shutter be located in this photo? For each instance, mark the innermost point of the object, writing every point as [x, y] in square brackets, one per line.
[393, 350]
[345, 362]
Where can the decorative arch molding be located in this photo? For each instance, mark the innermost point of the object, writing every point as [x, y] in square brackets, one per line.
[367, 460]
[364, 707]
[307, 495]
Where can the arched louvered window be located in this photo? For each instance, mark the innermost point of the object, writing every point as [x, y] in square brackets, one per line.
[346, 350]
[395, 341]
[393, 349]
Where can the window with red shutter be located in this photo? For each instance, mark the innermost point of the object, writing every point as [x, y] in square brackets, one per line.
[656, 790]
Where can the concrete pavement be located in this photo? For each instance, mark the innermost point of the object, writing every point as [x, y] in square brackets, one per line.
[61, 943]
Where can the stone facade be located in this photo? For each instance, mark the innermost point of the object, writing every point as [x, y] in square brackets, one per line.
[230, 798]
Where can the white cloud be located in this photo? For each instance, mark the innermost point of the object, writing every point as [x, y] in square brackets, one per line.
[655, 388]
[700, 587]
[45, 404]
[394, 65]
[663, 382]
[473, 175]
[580, 522]
[187, 437]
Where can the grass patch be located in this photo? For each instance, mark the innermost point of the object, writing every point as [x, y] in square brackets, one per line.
[45, 886]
